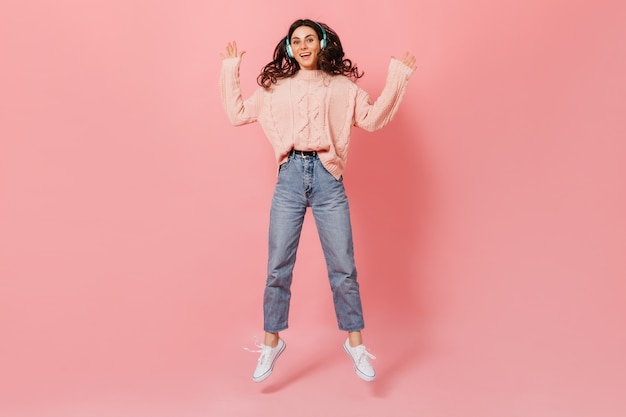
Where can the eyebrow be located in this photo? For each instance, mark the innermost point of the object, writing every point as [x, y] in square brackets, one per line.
[307, 36]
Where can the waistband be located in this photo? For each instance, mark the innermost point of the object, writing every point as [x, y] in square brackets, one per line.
[303, 154]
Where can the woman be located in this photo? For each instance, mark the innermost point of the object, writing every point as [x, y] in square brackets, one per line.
[306, 104]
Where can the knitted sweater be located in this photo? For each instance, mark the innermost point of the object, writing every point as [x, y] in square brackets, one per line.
[312, 110]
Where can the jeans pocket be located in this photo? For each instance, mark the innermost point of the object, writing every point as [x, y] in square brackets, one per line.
[284, 165]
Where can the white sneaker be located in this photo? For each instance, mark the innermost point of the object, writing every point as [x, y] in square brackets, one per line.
[267, 360]
[361, 358]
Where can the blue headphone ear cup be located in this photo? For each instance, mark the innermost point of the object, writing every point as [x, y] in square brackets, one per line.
[288, 48]
[324, 40]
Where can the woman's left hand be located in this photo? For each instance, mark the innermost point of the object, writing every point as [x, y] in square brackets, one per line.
[409, 61]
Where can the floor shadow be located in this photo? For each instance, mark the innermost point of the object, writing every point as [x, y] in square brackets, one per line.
[294, 373]
[406, 358]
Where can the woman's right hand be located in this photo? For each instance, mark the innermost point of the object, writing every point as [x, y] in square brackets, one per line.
[231, 51]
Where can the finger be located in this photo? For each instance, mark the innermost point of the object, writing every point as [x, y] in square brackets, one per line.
[409, 60]
[226, 53]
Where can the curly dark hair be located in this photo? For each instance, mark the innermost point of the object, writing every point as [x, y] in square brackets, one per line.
[330, 59]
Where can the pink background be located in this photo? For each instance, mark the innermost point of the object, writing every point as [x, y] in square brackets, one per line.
[489, 216]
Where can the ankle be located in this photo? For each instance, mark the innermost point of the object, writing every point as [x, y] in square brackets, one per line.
[271, 339]
[355, 338]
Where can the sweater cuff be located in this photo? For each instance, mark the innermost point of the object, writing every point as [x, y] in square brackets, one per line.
[398, 68]
[231, 64]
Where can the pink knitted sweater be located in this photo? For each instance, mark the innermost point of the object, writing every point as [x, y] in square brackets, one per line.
[313, 110]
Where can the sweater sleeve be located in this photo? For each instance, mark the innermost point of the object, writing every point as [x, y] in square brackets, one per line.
[238, 110]
[374, 116]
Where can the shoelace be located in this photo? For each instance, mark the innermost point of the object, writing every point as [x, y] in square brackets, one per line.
[362, 354]
[262, 349]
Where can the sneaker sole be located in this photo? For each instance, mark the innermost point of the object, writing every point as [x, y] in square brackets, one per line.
[269, 372]
[367, 378]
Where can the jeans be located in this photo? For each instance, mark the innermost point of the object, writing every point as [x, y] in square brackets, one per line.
[304, 182]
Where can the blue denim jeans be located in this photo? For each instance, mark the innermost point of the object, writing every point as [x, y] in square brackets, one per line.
[304, 182]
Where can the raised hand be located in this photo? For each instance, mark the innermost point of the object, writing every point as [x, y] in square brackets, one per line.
[231, 51]
[409, 61]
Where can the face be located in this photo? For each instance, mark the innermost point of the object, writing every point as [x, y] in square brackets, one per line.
[305, 46]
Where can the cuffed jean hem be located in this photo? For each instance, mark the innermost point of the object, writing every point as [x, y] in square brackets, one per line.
[281, 329]
[356, 329]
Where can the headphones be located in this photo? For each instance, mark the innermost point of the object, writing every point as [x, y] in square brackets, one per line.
[322, 42]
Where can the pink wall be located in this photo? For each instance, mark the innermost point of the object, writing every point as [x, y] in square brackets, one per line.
[489, 216]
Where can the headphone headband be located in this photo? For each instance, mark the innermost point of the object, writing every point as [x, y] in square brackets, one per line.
[323, 41]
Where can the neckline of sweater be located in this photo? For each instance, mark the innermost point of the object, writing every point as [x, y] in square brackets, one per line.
[309, 75]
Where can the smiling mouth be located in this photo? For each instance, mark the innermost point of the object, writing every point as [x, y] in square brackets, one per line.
[305, 55]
